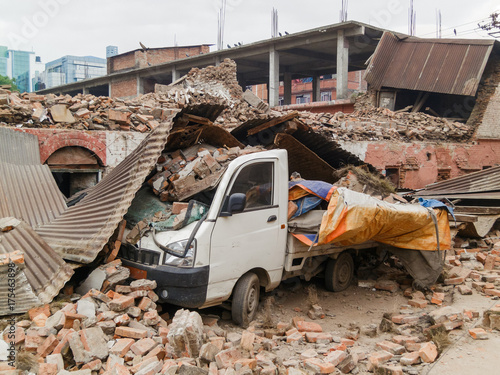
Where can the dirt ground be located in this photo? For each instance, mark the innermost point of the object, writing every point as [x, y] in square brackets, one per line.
[359, 307]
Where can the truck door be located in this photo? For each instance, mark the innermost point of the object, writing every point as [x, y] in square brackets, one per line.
[256, 237]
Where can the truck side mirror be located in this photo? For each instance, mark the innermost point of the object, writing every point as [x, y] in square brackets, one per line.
[236, 203]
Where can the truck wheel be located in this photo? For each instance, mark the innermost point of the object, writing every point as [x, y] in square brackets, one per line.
[245, 299]
[339, 273]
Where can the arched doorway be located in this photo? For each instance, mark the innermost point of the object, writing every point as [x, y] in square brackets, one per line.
[74, 168]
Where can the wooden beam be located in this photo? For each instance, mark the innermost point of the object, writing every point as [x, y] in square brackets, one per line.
[478, 210]
[273, 122]
[463, 218]
[197, 119]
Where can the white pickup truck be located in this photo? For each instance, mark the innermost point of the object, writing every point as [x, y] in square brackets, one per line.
[241, 245]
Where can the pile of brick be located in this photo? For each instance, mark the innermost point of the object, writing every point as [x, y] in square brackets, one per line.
[184, 173]
[372, 123]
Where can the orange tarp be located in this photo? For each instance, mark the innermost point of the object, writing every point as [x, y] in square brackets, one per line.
[353, 218]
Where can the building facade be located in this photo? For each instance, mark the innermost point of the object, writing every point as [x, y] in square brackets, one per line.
[19, 65]
[111, 51]
[69, 69]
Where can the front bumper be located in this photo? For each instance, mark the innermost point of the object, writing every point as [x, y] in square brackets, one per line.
[186, 287]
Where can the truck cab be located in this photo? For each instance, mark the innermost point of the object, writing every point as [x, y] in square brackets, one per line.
[236, 248]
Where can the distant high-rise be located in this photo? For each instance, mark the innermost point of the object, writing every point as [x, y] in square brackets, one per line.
[111, 51]
[18, 65]
[70, 69]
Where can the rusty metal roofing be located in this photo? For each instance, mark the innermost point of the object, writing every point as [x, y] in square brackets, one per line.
[476, 185]
[46, 272]
[18, 148]
[193, 134]
[81, 232]
[29, 193]
[448, 66]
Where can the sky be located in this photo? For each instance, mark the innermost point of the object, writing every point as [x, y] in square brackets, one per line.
[55, 28]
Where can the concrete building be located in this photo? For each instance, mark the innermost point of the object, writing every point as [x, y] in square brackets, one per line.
[111, 51]
[19, 65]
[334, 49]
[70, 69]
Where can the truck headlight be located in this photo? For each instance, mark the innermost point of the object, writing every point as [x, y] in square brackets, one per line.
[180, 246]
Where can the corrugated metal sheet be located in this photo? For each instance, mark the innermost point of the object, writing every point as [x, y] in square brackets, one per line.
[29, 193]
[445, 66]
[25, 297]
[477, 185]
[81, 232]
[18, 147]
[211, 134]
[46, 271]
[303, 160]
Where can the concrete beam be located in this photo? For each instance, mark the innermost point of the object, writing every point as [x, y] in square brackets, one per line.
[342, 64]
[316, 92]
[287, 83]
[175, 74]
[274, 77]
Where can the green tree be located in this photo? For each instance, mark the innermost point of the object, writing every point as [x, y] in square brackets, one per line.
[9, 81]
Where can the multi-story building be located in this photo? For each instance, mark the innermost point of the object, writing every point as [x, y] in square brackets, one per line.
[19, 65]
[69, 69]
[111, 51]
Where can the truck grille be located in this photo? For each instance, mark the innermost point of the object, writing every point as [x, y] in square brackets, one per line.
[143, 256]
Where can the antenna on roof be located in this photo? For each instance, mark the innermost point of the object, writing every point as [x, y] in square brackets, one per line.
[343, 11]
[438, 24]
[221, 20]
[412, 18]
[274, 23]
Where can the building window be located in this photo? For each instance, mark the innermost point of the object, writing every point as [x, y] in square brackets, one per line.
[302, 99]
[326, 96]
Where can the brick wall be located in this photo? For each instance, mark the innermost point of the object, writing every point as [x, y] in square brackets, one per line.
[490, 127]
[141, 59]
[124, 89]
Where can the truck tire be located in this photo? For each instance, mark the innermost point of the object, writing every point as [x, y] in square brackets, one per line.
[245, 299]
[339, 273]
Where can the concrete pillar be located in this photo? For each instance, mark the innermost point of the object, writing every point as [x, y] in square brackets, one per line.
[109, 90]
[274, 77]
[287, 83]
[242, 81]
[342, 64]
[175, 74]
[316, 94]
[86, 91]
[217, 60]
[140, 86]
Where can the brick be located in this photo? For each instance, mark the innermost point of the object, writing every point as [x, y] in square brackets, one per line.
[319, 366]
[428, 352]
[131, 332]
[409, 359]
[478, 334]
[390, 370]
[437, 298]
[413, 346]
[121, 347]
[388, 285]
[145, 304]
[391, 347]
[177, 207]
[454, 281]
[89, 344]
[481, 257]
[492, 292]
[48, 346]
[151, 318]
[47, 369]
[40, 320]
[121, 320]
[247, 340]
[336, 357]
[489, 262]
[296, 336]
[143, 346]
[121, 303]
[63, 341]
[377, 358]
[347, 342]
[119, 117]
[227, 358]
[420, 303]
[158, 351]
[143, 284]
[318, 337]
[303, 326]
[250, 362]
[403, 340]
[94, 365]
[464, 290]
